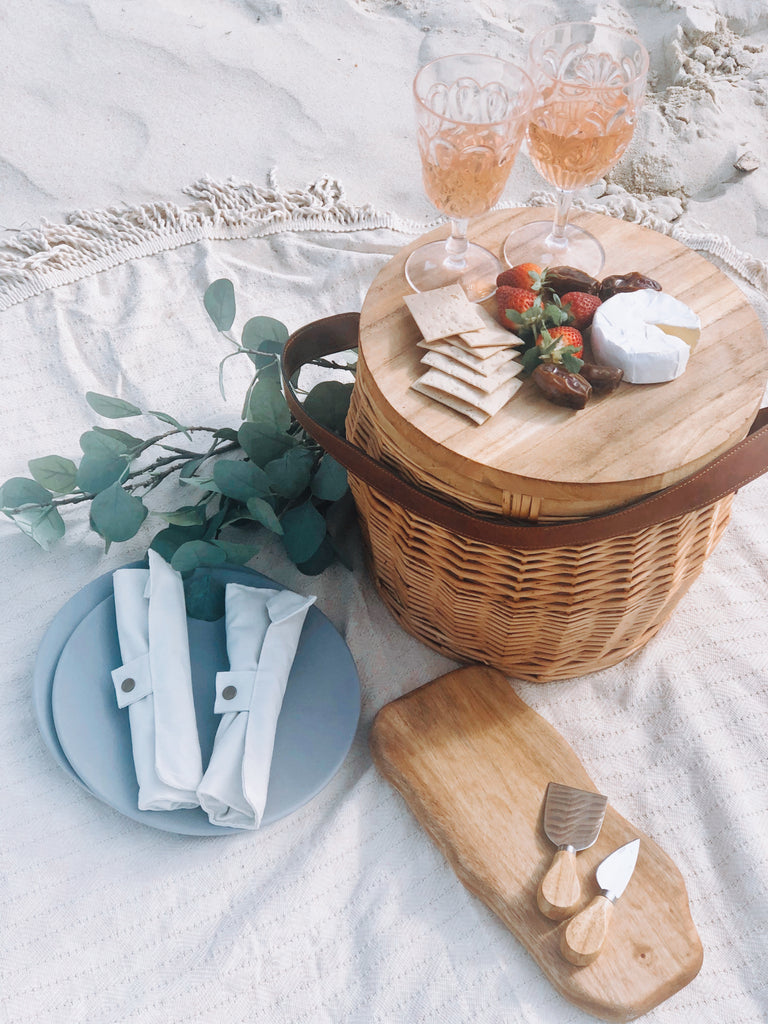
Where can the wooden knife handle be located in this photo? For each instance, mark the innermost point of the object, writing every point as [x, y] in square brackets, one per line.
[560, 891]
[584, 935]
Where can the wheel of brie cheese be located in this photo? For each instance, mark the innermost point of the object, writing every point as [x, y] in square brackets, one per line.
[647, 334]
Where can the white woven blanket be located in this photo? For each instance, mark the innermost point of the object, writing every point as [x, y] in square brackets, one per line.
[344, 912]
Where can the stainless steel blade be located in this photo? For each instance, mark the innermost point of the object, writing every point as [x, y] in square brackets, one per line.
[614, 873]
[573, 817]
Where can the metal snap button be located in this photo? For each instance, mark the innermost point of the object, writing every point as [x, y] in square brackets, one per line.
[229, 692]
[127, 685]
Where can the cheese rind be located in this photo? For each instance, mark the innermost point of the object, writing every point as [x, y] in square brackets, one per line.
[647, 334]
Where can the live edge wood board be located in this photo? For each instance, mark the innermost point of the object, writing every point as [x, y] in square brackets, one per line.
[472, 761]
[560, 463]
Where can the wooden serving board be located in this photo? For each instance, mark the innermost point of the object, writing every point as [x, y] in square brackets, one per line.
[536, 460]
[473, 761]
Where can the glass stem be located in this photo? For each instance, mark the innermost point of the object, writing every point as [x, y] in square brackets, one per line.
[457, 244]
[557, 239]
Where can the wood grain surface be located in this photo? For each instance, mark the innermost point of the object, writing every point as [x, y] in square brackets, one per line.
[473, 761]
[621, 446]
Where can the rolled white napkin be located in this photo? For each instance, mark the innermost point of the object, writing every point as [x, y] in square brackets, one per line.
[155, 684]
[263, 630]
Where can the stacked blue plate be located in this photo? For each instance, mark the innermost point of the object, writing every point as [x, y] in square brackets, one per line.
[89, 736]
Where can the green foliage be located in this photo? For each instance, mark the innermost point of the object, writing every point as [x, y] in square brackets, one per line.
[268, 474]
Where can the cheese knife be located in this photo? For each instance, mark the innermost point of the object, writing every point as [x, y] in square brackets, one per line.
[584, 935]
[572, 821]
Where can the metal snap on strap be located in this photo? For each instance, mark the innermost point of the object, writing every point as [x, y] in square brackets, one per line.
[229, 692]
[127, 685]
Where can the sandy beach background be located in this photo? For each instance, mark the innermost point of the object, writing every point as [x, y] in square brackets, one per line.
[151, 146]
[128, 103]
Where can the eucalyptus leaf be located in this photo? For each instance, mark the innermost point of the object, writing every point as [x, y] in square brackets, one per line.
[187, 515]
[190, 467]
[303, 532]
[237, 554]
[111, 408]
[97, 472]
[169, 540]
[261, 443]
[117, 515]
[319, 562]
[262, 512]
[219, 302]
[226, 434]
[289, 475]
[44, 525]
[240, 480]
[196, 553]
[99, 442]
[267, 406]
[128, 441]
[20, 491]
[205, 597]
[167, 418]
[264, 334]
[54, 472]
[328, 403]
[330, 481]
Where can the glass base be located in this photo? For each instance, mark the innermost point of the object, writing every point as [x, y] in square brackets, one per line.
[533, 243]
[429, 267]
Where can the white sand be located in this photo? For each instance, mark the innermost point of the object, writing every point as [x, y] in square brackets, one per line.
[107, 103]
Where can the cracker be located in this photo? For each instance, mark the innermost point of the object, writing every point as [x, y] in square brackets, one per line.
[481, 352]
[444, 311]
[467, 358]
[491, 334]
[485, 382]
[452, 403]
[489, 404]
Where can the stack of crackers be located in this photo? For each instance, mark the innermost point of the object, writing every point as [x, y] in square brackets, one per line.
[472, 362]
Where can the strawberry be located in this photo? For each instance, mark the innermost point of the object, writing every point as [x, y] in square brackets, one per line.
[511, 300]
[561, 345]
[524, 275]
[581, 306]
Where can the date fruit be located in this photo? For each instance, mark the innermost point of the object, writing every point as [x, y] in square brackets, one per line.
[562, 280]
[602, 378]
[632, 282]
[562, 387]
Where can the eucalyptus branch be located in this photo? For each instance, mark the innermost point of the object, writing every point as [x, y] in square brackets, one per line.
[269, 472]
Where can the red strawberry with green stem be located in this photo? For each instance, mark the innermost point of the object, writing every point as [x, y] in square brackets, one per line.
[512, 303]
[523, 275]
[581, 308]
[562, 346]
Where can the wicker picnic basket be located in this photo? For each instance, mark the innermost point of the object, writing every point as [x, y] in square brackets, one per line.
[542, 579]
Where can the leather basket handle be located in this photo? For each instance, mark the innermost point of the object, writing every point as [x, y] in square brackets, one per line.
[746, 461]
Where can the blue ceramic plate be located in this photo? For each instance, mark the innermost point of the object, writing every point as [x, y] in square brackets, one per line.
[315, 729]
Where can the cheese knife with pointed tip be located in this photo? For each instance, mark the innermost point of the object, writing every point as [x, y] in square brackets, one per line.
[584, 935]
[572, 821]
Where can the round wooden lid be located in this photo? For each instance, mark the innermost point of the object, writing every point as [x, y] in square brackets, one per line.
[632, 442]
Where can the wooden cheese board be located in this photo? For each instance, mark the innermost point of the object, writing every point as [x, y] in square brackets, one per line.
[532, 459]
[473, 761]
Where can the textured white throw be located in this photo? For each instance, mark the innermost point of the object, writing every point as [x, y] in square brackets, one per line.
[345, 912]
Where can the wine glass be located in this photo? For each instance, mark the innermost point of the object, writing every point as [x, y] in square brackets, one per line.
[590, 82]
[471, 113]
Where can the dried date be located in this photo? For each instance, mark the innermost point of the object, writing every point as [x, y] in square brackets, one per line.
[562, 280]
[562, 387]
[602, 378]
[632, 282]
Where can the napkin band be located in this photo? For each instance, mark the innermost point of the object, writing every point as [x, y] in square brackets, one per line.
[133, 681]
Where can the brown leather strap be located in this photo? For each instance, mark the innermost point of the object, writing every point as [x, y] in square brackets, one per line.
[744, 462]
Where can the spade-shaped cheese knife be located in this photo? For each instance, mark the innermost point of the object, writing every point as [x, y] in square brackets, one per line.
[572, 821]
[584, 935]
